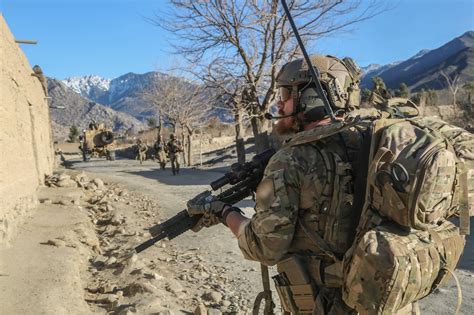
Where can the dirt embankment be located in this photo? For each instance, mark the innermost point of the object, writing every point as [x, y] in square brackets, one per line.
[72, 257]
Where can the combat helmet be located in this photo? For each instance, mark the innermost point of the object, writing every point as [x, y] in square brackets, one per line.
[339, 79]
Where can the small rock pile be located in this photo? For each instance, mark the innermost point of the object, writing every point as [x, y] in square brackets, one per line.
[60, 180]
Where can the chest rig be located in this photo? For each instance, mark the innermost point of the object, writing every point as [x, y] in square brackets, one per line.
[328, 215]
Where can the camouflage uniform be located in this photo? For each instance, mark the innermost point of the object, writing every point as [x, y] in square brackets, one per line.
[160, 153]
[174, 148]
[309, 202]
[311, 183]
[142, 148]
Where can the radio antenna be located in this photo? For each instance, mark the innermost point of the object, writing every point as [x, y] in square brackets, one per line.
[312, 69]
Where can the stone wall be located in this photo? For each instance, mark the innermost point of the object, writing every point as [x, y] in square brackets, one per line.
[26, 149]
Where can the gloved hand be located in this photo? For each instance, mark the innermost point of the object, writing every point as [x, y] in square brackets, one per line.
[204, 204]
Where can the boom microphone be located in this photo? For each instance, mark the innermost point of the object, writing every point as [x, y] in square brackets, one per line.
[269, 116]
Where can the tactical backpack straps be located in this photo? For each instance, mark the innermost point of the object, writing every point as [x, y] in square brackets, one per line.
[464, 215]
[318, 241]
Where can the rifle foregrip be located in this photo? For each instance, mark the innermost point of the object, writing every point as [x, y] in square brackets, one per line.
[171, 228]
[220, 182]
[166, 226]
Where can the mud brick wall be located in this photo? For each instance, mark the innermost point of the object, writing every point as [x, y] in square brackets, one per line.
[26, 148]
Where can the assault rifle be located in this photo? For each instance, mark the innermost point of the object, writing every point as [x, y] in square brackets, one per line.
[243, 180]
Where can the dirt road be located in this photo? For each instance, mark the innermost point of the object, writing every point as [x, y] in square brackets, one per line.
[217, 246]
[68, 257]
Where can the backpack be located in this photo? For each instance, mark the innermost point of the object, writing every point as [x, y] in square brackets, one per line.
[420, 173]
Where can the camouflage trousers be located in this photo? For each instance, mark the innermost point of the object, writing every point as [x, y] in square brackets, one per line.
[175, 162]
[161, 156]
[142, 157]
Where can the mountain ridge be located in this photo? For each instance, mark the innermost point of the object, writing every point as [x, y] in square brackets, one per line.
[79, 111]
[423, 71]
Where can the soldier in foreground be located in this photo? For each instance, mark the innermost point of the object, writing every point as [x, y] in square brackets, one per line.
[160, 152]
[174, 148]
[141, 148]
[307, 192]
[354, 209]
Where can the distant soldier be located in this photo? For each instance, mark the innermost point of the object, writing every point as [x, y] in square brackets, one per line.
[39, 74]
[83, 147]
[160, 152]
[141, 151]
[174, 148]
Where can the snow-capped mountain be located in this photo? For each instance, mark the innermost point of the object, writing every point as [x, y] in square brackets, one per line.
[126, 93]
[132, 83]
[374, 70]
[370, 67]
[123, 93]
[79, 111]
[421, 53]
[83, 85]
[91, 86]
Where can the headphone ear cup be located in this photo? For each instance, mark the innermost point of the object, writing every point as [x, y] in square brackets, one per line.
[311, 104]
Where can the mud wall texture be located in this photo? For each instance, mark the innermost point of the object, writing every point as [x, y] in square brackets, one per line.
[26, 148]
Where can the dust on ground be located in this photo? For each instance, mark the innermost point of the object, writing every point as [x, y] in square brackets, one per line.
[71, 256]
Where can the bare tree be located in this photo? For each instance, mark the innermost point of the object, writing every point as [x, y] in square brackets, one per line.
[453, 85]
[255, 38]
[228, 92]
[181, 104]
[151, 96]
[195, 113]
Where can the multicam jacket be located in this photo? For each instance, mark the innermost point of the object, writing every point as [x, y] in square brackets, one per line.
[174, 146]
[312, 182]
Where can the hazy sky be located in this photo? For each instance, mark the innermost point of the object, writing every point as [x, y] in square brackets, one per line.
[112, 37]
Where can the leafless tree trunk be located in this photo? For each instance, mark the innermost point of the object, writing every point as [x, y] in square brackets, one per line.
[182, 104]
[160, 125]
[227, 95]
[183, 143]
[189, 148]
[453, 86]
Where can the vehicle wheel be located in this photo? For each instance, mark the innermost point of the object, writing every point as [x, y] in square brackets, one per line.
[107, 137]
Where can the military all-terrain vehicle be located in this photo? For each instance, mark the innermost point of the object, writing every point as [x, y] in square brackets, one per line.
[97, 141]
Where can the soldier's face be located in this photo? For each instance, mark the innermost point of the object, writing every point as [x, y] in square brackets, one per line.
[286, 125]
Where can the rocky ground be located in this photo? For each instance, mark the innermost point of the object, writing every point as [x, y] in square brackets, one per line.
[71, 257]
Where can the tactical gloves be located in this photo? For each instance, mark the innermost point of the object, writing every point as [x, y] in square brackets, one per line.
[211, 210]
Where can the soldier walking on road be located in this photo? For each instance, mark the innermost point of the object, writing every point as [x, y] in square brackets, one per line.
[174, 148]
[142, 148]
[160, 152]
